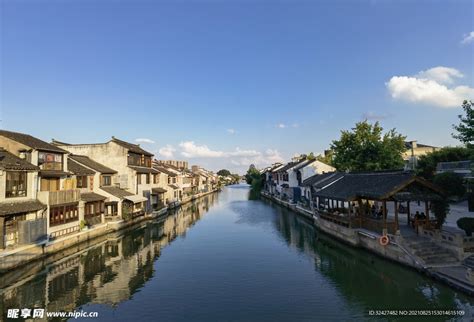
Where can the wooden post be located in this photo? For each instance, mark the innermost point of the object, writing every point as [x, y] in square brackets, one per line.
[408, 213]
[359, 202]
[350, 214]
[2, 232]
[384, 210]
[396, 215]
[427, 210]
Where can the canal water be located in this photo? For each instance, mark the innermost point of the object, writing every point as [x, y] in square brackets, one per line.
[226, 257]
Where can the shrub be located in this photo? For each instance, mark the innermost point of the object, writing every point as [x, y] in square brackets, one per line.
[466, 224]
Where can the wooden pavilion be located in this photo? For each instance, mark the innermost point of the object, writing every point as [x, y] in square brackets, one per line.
[351, 200]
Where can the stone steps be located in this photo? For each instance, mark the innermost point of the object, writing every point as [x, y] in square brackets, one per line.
[469, 262]
[429, 252]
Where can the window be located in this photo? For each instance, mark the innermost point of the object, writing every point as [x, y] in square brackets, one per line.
[156, 178]
[81, 182]
[59, 215]
[148, 162]
[49, 184]
[16, 184]
[50, 161]
[134, 159]
[139, 178]
[147, 176]
[106, 180]
[93, 209]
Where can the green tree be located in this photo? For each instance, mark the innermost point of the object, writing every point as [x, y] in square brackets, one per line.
[465, 129]
[426, 164]
[451, 183]
[224, 172]
[254, 178]
[441, 210]
[366, 148]
[326, 158]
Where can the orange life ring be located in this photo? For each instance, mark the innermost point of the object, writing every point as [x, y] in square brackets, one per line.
[384, 240]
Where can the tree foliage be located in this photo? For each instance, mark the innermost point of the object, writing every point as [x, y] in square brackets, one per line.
[224, 172]
[426, 165]
[366, 148]
[254, 178]
[465, 129]
[451, 183]
[441, 210]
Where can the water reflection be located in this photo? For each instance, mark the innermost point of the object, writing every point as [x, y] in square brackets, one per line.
[109, 272]
[367, 281]
[245, 260]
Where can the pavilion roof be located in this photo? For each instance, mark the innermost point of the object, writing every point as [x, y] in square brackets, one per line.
[380, 186]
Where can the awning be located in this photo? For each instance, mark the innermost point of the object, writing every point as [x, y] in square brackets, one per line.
[174, 186]
[53, 173]
[158, 190]
[135, 198]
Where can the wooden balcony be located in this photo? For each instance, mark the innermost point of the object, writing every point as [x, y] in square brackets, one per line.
[60, 197]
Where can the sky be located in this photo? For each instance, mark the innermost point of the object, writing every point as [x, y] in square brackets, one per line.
[224, 84]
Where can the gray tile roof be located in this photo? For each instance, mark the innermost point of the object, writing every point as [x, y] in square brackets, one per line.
[10, 208]
[321, 180]
[164, 170]
[9, 161]
[78, 169]
[135, 148]
[117, 192]
[86, 161]
[143, 169]
[303, 164]
[31, 141]
[158, 190]
[91, 197]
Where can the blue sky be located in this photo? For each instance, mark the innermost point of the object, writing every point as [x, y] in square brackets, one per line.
[226, 83]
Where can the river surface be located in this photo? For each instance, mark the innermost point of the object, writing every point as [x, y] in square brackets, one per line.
[225, 258]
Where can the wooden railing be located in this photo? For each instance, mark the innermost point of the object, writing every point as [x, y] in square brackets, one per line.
[359, 222]
[341, 220]
[64, 196]
[59, 197]
[377, 225]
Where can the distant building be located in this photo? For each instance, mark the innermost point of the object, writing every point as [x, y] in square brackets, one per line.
[464, 169]
[182, 165]
[413, 151]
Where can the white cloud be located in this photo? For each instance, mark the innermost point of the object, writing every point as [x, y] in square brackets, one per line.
[242, 153]
[262, 159]
[281, 126]
[431, 87]
[238, 157]
[167, 151]
[441, 74]
[468, 38]
[191, 150]
[295, 125]
[231, 131]
[144, 140]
